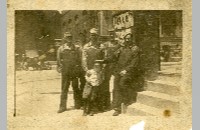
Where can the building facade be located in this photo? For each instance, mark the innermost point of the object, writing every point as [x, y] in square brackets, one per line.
[157, 33]
[78, 23]
[36, 30]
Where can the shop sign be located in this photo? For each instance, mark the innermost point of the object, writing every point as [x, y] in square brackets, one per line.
[124, 20]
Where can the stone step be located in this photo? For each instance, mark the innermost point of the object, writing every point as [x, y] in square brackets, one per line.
[138, 109]
[174, 79]
[159, 100]
[170, 73]
[176, 51]
[175, 59]
[170, 69]
[170, 63]
[173, 67]
[164, 86]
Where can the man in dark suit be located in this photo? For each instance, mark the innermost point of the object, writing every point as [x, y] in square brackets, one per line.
[127, 64]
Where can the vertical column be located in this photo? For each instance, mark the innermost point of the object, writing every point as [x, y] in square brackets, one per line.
[101, 22]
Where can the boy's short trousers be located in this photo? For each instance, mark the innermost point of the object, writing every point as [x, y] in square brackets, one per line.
[90, 91]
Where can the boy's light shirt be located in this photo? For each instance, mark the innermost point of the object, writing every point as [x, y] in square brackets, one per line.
[94, 78]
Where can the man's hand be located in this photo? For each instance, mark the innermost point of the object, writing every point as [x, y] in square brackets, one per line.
[59, 68]
[122, 73]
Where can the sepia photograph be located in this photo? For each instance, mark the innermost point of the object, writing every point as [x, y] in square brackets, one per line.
[98, 69]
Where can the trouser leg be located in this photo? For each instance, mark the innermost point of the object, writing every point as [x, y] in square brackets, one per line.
[99, 100]
[86, 106]
[64, 91]
[94, 105]
[82, 84]
[105, 100]
[117, 97]
[106, 91]
[77, 94]
[125, 85]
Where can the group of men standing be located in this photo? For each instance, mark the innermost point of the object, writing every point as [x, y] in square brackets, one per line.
[119, 60]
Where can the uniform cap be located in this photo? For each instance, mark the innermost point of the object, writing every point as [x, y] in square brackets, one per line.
[127, 35]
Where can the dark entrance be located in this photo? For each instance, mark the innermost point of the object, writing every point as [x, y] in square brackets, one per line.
[146, 30]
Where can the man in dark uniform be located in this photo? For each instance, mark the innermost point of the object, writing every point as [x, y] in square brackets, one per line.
[109, 48]
[91, 52]
[126, 70]
[69, 60]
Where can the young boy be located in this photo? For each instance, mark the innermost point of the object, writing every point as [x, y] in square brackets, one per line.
[91, 92]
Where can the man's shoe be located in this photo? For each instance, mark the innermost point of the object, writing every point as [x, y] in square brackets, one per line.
[61, 110]
[91, 114]
[116, 113]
